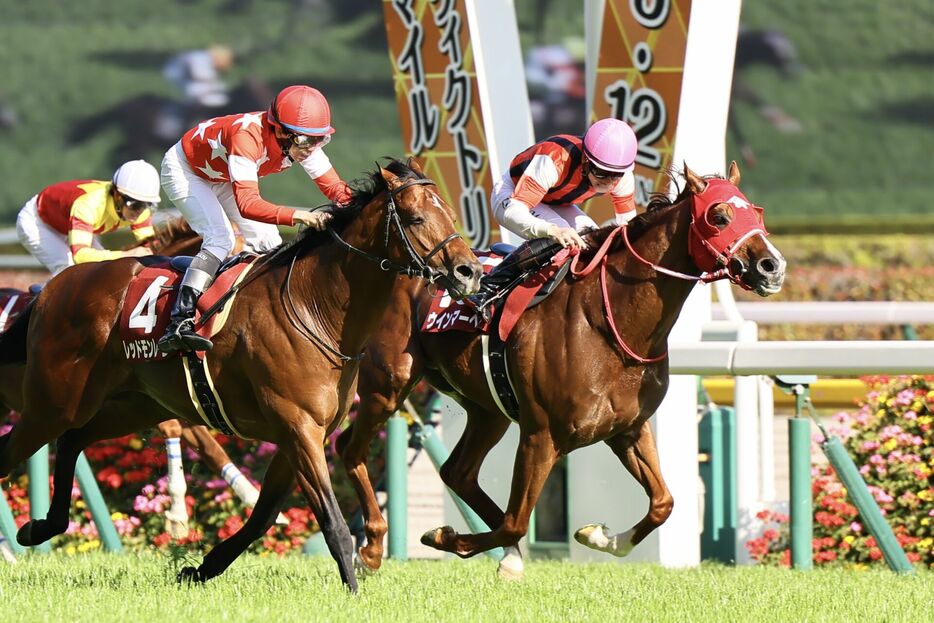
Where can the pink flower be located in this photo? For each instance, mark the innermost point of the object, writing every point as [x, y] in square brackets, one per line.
[856, 527]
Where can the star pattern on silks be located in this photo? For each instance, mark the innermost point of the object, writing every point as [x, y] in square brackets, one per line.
[204, 125]
[217, 148]
[250, 118]
[210, 172]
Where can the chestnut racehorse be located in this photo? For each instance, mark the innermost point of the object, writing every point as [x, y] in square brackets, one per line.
[577, 380]
[284, 365]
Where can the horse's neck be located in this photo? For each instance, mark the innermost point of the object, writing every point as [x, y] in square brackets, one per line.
[644, 294]
[345, 293]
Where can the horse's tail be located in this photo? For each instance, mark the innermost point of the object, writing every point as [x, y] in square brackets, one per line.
[13, 340]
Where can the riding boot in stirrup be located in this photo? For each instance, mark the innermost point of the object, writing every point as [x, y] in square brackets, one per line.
[180, 335]
[527, 258]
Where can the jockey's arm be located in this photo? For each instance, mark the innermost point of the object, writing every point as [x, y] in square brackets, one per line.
[142, 228]
[319, 169]
[624, 199]
[244, 175]
[87, 212]
[540, 175]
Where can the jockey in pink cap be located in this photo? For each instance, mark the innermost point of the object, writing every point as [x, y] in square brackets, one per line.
[538, 196]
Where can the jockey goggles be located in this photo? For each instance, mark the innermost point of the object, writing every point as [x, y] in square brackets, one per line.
[135, 204]
[305, 141]
[603, 174]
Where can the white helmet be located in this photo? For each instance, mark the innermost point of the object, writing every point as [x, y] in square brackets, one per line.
[137, 179]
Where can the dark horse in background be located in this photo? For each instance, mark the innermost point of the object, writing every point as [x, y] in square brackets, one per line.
[285, 363]
[579, 376]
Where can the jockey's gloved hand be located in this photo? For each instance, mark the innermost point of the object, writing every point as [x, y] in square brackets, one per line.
[316, 220]
[567, 237]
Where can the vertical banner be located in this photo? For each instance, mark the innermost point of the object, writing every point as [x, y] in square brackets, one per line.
[439, 110]
[642, 49]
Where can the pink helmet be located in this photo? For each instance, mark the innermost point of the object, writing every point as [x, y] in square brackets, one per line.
[302, 110]
[611, 145]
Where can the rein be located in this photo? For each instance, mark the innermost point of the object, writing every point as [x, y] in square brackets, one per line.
[600, 257]
[418, 265]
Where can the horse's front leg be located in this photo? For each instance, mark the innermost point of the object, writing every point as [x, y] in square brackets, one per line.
[176, 516]
[535, 457]
[277, 484]
[640, 456]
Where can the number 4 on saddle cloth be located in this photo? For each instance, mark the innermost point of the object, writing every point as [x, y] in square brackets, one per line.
[531, 286]
[151, 296]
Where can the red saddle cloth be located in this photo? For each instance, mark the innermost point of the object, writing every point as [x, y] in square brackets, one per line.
[150, 298]
[12, 304]
[446, 314]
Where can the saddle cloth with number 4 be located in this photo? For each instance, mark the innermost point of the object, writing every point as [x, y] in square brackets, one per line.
[150, 298]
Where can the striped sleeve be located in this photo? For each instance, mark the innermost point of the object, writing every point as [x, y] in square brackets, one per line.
[539, 176]
[87, 210]
[142, 229]
[624, 199]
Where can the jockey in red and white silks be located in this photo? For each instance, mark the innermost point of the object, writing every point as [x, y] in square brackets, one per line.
[212, 176]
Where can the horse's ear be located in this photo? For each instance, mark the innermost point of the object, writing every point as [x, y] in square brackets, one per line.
[415, 166]
[391, 179]
[734, 173]
[696, 184]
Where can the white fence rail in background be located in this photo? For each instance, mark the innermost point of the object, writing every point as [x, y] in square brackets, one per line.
[844, 312]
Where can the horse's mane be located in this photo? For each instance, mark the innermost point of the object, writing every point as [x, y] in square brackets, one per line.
[659, 203]
[363, 191]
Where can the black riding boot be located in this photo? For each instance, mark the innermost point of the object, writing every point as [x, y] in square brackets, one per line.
[529, 257]
[180, 334]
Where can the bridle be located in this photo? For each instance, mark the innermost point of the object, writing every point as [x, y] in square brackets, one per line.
[418, 265]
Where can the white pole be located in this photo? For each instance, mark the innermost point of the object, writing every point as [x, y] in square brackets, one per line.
[746, 403]
[766, 440]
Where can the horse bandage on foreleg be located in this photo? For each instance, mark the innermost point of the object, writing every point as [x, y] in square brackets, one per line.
[177, 487]
[240, 484]
[596, 536]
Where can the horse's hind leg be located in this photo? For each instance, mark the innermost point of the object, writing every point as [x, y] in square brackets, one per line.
[113, 420]
[640, 457]
[535, 457]
[382, 391]
[461, 471]
[277, 484]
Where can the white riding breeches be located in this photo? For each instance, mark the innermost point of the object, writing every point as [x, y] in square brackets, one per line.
[46, 244]
[211, 209]
[569, 215]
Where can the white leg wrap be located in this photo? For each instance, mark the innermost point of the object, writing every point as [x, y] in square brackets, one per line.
[177, 485]
[240, 484]
[511, 566]
[596, 536]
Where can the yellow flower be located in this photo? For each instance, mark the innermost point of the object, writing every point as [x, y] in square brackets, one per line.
[925, 419]
[926, 495]
[117, 516]
[925, 543]
[71, 550]
[849, 538]
[136, 444]
[925, 521]
[890, 445]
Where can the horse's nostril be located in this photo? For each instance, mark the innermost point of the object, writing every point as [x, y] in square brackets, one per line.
[465, 271]
[767, 266]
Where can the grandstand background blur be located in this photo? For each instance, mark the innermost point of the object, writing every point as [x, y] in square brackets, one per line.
[77, 79]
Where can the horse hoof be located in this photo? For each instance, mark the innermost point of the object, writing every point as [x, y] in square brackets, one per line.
[592, 535]
[189, 575]
[177, 529]
[24, 534]
[437, 537]
[509, 574]
[361, 568]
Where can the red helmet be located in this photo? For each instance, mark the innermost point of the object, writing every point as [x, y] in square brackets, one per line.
[302, 110]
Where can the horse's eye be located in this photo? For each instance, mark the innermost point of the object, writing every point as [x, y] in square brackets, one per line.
[416, 220]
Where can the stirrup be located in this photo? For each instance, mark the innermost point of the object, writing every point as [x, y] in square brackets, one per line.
[183, 338]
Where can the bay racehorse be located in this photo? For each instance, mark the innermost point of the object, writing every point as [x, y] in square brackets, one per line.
[173, 237]
[588, 364]
[285, 364]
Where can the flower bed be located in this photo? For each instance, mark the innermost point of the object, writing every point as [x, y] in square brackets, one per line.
[891, 439]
